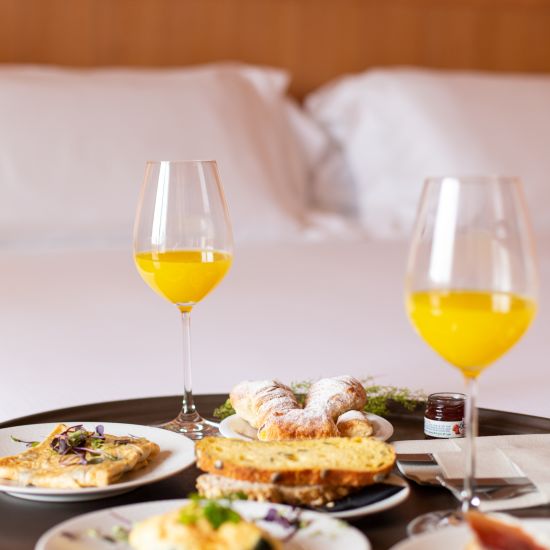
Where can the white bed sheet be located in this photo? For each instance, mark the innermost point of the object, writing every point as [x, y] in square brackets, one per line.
[80, 327]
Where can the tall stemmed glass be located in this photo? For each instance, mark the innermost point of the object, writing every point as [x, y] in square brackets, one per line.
[471, 288]
[183, 247]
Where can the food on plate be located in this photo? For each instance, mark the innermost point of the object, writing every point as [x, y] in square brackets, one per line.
[272, 408]
[72, 457]
[200, 525]
[213, 486]
[312, 472]
[503, 533]
[354, 424]
[254, 401]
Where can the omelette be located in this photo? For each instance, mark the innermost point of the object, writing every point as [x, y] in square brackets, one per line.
[72, 457]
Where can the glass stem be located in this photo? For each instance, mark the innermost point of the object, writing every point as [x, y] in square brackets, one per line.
[469, 500]
[188, 406]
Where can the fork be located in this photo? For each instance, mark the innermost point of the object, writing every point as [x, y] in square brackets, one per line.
[491, 493]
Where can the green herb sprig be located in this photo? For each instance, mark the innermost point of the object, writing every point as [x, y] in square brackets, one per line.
[215, 513]
[28, 444]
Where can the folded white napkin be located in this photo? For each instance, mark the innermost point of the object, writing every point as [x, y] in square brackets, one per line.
[497, 456]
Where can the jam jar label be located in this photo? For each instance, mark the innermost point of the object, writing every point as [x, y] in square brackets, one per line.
[443, 429]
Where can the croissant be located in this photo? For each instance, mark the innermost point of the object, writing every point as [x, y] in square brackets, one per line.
[257, 401]
[326, 400]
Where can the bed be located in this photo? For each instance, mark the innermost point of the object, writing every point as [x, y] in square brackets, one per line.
[316, 286]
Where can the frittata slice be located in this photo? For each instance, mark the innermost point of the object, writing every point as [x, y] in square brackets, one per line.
[102, 465]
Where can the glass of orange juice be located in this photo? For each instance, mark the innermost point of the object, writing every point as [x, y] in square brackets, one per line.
[471, 289]
[183, 247]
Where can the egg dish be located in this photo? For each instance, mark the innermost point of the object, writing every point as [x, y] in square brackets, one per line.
[200, 525]
[72, 457]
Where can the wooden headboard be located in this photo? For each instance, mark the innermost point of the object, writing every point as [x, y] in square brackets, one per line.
[315, 39]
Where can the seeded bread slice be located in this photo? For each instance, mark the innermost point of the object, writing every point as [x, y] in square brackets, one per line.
[213, 486]
[353, 461]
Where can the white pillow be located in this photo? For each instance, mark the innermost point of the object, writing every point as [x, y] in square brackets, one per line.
[397, 127]
[73, 147]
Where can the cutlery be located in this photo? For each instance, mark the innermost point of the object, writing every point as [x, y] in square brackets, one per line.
[416, 458]
[428, 476]
[508, 492]
[492, 491]
[481, 483]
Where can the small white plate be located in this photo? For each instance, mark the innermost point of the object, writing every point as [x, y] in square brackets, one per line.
[176, 454]
[234, 426]
[323, 533]
[456, 538]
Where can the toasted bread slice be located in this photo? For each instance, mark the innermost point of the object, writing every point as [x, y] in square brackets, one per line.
[355, 462]
[213, 486]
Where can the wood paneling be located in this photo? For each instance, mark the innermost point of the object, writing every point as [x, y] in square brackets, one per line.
[315, 39]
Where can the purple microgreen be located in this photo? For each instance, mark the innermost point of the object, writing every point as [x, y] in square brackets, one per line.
[71, 429]
[274, 516]
[72, 460]
[293, 523]
[69, 535]
[27, 443]
[83, 447]
[88, 450]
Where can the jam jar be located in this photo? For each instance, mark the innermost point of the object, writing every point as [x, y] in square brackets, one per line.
[444, 416]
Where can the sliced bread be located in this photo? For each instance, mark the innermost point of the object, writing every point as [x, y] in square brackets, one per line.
[353, 461]
[213, 486]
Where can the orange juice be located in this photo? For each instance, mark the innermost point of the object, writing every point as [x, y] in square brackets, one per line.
[184, 277]
[470, 329]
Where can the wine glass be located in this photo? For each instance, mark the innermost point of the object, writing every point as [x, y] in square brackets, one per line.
[471, 289]
[183, 248]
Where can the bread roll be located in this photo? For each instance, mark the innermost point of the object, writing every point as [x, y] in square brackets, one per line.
[335, 396]
[326, 400]
[259, 400]
[354, 424]
[298, 424]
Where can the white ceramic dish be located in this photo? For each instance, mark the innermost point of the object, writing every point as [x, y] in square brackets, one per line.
[323, 533]
[456, 538]
[176, 454]
[234, 426]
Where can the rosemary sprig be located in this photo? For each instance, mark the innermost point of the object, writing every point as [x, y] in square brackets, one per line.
[379, 398]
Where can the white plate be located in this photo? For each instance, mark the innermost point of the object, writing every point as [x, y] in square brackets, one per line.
[234, 426]
[176, 454]
[323, 533]
[456, 538]
[376, 507]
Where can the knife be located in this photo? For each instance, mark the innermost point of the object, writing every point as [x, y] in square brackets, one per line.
[421, 458]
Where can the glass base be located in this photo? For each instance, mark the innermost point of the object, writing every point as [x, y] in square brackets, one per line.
[193, 425]
[433, 521]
